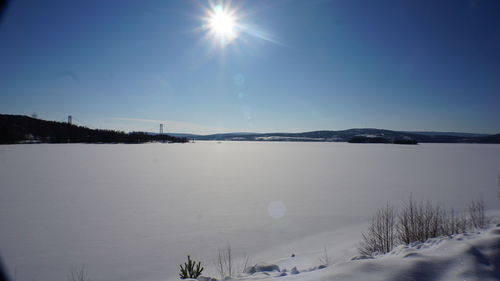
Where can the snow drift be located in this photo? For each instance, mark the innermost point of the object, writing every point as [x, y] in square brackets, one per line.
[468, 256]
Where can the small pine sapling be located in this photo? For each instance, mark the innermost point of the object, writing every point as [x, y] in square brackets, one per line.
[191, 269]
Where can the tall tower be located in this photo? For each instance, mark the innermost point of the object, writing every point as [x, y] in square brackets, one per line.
[161, 129]
[69, 119]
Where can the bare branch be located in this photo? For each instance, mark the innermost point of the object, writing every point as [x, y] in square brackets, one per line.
[78, 274]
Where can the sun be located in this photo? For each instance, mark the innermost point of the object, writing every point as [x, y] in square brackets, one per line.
[222, 24]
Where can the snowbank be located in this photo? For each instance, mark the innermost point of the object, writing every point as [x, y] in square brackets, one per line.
[468, 256]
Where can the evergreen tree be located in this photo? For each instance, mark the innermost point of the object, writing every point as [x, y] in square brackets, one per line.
[191, 269]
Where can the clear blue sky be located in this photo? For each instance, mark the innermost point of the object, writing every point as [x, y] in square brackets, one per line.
[295, 65]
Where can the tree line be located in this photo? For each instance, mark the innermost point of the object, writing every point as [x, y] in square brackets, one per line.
[19, 129]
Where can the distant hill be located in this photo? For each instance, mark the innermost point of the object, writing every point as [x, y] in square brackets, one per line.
[485, 139]
[456, 134]
[346, 135]
[23, 129]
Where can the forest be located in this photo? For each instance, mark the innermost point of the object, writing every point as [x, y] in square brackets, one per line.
[25, 129]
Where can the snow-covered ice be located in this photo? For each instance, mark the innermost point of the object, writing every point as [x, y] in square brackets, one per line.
[133, 212]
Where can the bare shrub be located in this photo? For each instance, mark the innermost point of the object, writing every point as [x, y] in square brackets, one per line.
[408, 222]
[324, 259]
[244, 263]
[227, 265]
[417, 222]
[477, 217]
[78, 274]
[449, 225]
[224, 262]
[453, 223]
[462, 223]
[381, 234]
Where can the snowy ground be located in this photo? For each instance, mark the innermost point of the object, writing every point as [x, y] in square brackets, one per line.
[468, 256]
[133, 212]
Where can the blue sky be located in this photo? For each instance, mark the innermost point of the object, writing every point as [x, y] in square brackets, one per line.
[294, 66]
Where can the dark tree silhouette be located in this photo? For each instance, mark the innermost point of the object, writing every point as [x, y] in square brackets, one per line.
[18, 128]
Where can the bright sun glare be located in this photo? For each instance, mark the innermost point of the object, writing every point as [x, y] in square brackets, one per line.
[222, 24]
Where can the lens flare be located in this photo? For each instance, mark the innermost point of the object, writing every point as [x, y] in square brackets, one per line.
[276, 209]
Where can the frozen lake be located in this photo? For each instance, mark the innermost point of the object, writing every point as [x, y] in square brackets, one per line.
[133, 212]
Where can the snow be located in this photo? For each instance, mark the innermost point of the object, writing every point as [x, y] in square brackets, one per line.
[288, 138]
[470, 256]
[134, 212]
